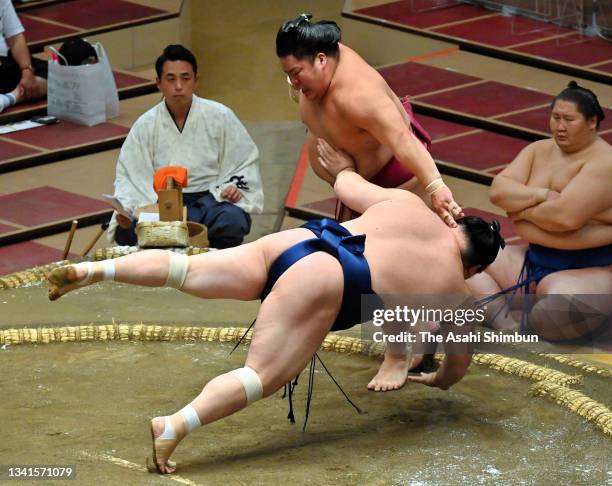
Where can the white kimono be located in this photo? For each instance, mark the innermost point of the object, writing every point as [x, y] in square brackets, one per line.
[10, 25]
[214, 147]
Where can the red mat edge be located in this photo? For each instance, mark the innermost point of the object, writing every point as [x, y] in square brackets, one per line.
[298, 178]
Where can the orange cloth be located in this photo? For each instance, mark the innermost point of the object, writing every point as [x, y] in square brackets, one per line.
[179, 174]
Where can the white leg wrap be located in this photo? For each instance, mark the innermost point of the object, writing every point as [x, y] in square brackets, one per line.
[177, 270]
[191, 417]
[108, 267]
[253, 386]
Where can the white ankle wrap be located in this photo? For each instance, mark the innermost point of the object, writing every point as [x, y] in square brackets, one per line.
[253, 386]
[86, 280]
[191, 419]
[177, 270]
[169, 432]
[108, 271]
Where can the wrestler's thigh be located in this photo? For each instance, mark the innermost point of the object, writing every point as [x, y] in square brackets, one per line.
[295, 318]
[572, 303]
[595, 280]
[506, 268]
[236, 273]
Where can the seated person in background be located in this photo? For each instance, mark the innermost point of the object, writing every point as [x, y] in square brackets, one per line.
[311, 280]
[22, 78]
[201, 135]
[557, 191]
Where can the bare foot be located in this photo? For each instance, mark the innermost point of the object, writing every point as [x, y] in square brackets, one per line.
[64, 279]
[162, 448]
[19, 93]
[391, 374]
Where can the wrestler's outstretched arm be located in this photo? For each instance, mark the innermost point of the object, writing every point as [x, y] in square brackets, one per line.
[352, 189]
[455, 364]
[451, 371]
[380, 117]
[236, 273]
[457, 347]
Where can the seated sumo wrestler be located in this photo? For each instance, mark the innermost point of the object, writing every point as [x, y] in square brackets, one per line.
[557, 191]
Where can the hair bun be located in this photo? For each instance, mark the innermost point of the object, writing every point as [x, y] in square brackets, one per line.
[573, 84]
[496, 227]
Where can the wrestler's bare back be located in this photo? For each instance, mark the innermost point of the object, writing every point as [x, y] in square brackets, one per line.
[325, 119]
[408, 249]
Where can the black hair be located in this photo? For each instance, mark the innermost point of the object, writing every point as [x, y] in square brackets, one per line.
[483, 241]
[75, 52]
[175, 52]
[301, 38]
[585, 100]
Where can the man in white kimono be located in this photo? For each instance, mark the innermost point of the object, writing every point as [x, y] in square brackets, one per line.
[201, 135]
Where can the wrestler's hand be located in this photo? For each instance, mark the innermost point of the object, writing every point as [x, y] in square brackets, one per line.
[525, 213]
[543, 194]
[444, 204]
[428, 379]
[516, 216]
[232, 194]
[28, 85]
[123, 221]
[332, 160]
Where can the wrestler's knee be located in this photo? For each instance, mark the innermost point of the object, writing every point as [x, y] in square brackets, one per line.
[274, 381]
[267, 379]
[256, 385]
[508, 264]
[580, 281]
